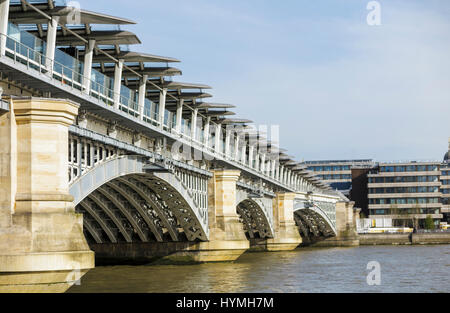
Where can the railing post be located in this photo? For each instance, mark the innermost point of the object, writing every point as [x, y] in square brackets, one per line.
[4, 15]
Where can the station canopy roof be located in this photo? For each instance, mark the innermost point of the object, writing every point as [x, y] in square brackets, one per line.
[285, 157]
[172, 85]
[234, 121]
[291, 163]
[130, 56]
[154, 96]
[150, 71]
[20, 14]
[209, 105]
[300, 167]
[101, 37]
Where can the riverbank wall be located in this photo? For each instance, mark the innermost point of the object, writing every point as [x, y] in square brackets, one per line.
[404, 239]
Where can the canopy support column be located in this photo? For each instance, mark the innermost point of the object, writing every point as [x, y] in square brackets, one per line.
[4, 15]
[142, 94]
[87, 72]
[51, 44]
[218, 134]
[194, 124]
[206, 131]
[179, 115]
[118, 83]
[162, 107]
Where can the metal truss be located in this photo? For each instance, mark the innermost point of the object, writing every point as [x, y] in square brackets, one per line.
[255, 220]
[121, 201]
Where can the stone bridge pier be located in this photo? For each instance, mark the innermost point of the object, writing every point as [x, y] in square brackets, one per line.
[227, 240]
[42, 246]
[285, 235]
[347, 235]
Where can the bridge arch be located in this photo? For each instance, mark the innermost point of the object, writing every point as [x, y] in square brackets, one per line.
[127, 199]
[256, 215]
[315, 222]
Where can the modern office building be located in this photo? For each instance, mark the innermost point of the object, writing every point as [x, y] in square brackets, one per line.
[407, 192]
[337, 174]
[359, 191]
[445, 186]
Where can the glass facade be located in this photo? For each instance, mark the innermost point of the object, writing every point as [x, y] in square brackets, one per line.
[404, 194]
[408, 168]
[403, 179]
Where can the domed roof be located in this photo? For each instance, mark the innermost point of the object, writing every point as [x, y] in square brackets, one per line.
[447, 157]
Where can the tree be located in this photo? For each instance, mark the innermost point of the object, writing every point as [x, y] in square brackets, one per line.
[429, 223]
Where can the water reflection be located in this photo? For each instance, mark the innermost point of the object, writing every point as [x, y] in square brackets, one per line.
[404, 269]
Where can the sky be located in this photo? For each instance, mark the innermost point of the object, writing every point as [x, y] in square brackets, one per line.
[337, 87]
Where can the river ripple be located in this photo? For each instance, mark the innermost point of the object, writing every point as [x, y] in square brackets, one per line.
[406, 269]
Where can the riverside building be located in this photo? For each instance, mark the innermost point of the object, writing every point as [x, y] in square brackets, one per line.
[337, 174]
[407, 192]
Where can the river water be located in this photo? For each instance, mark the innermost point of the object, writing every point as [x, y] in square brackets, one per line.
[406, 269]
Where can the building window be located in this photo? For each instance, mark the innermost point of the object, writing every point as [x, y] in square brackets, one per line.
[422, 168]
[422, 179]
[422, 189]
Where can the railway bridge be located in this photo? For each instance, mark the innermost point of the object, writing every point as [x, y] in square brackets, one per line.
[103, 154]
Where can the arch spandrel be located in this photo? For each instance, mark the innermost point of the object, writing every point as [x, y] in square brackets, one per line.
[171, 208]
[256, 214]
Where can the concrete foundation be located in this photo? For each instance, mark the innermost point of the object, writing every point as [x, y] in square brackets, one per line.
[404, 239]
[430, 239]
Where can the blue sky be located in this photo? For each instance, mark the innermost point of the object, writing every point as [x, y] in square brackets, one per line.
[338, 88]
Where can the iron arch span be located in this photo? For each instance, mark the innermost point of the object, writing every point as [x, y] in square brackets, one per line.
[313, 223]
[123, 201]
[256, 217]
